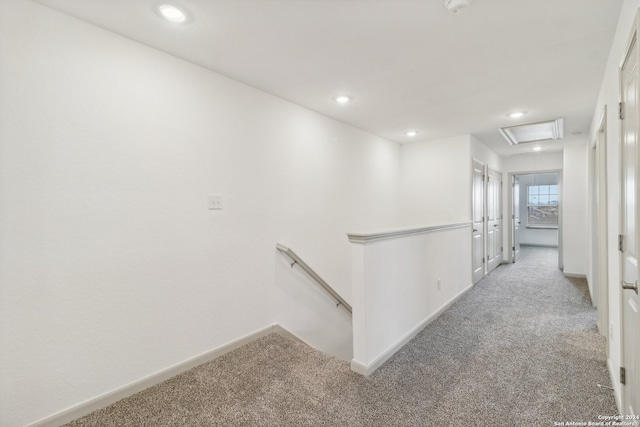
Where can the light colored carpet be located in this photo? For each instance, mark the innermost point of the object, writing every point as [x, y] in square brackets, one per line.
[520, 349]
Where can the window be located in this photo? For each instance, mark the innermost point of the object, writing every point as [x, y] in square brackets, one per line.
[542, 206]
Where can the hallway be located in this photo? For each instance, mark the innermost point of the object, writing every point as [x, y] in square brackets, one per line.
[530, 353]
[520, 349]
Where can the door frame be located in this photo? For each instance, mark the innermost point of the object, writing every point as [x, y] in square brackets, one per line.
[633, 37]
[599, 225]
[510, 213]
[483, 166]
[513, 257]
[499, 215]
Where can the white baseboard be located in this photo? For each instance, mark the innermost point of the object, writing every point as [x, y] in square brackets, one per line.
[287, 334]
[575, 275]
[368, 369]
[88, 406]
[359, 368]
[616, 388]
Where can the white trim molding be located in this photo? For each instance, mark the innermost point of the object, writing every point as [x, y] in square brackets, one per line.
[616, 387]
[401, 232]
[575, 275]
[367, 369]
[391, 271]
[104, 400]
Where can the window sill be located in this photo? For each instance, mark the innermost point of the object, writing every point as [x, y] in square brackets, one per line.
[543, 227]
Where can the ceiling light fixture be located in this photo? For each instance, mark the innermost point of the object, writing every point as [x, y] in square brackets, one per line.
[537, 148]
[172, 13]
[411, 133]
[342, 99]
[517, 114]
[456, 6]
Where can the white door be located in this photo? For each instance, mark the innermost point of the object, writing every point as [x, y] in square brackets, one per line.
[628, 227]
[478, 221]
[494, 220]
[515, 241]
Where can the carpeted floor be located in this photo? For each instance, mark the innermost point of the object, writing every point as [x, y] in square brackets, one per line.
[520, 349]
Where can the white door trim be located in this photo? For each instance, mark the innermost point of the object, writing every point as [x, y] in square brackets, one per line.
[600, 223]
[514, 241]
[478, 229]
[494, 226]
[510, 212]
[626, 396]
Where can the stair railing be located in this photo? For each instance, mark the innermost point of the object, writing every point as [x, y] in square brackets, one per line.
[297, 260]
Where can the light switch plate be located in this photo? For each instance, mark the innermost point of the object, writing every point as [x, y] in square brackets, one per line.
[214, 202]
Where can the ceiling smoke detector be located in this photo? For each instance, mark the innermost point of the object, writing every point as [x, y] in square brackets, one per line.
[457, 6]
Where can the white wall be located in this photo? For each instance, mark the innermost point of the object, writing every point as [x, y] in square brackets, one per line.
[535, 236]
[334, 179]
[480, 152]
[535, 162]
[111, 266]
[436, 181]
[396, 289]
[395, 280]
[609, 96]
[574, 208]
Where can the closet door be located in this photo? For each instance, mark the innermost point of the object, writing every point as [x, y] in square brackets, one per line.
[494, 219]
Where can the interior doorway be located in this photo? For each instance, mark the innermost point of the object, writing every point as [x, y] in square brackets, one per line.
[535, 211]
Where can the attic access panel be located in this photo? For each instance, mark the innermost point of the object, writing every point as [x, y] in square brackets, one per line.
[532, 132]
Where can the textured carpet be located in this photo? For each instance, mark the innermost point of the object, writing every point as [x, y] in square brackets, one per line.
[520, 349]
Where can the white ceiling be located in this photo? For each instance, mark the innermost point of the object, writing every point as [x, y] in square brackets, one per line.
[409, 64]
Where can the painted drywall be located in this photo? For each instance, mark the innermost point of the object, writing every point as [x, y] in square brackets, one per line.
[535, 236]
[400, 283]
[480, 152]
[436, 181]
[535, 162]
[609, 97]
[111, 266]
[334, 179]
[307, 311]
[574, 208]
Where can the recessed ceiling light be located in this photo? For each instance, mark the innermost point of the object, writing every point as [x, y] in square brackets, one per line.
[411, 133]
[172, 13]
[537, 148]
[516, 114]
[342, 99]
